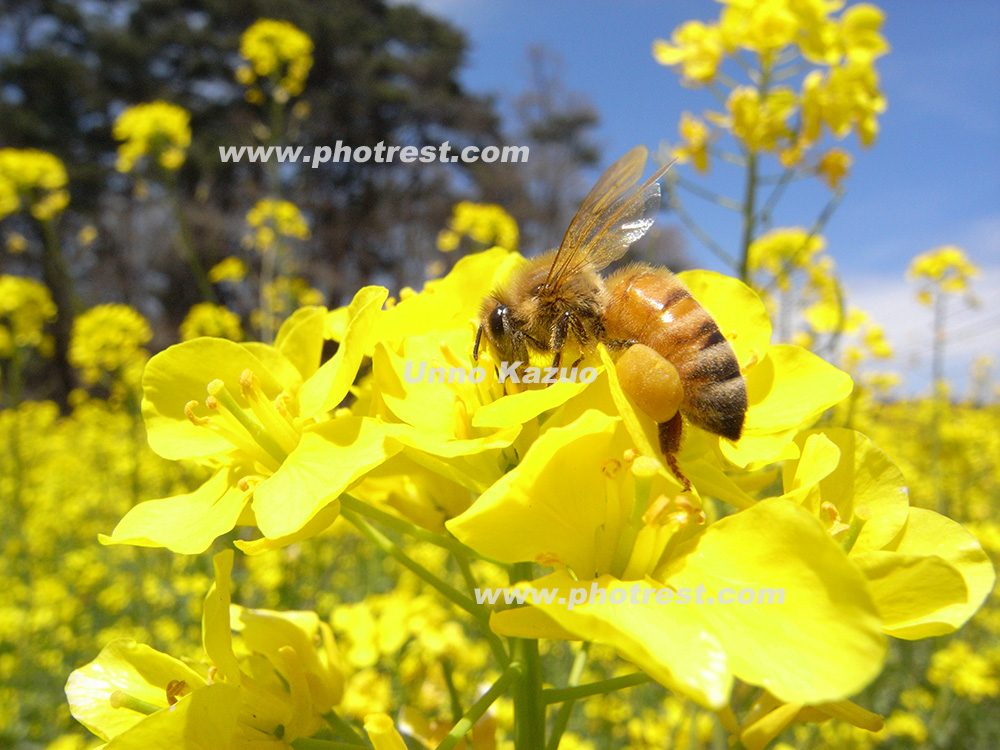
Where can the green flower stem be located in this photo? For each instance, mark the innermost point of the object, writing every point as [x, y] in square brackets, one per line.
[56, 276]
[862, 515]
[566, 709]
[558, 695]
[710, 195]
[308, 743]
[186, 244]
[390, 548]
[405, 527]
[456, 702]
[496, 645]
[477, 709]
[342, 728]
[529, 709]
[749, 217]
[687, 220]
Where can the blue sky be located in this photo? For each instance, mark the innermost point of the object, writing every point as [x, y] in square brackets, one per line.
[933, 177]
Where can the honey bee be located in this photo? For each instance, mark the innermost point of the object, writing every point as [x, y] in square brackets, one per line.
[675, 360]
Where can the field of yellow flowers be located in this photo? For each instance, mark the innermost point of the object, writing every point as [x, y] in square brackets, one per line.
[265, 535]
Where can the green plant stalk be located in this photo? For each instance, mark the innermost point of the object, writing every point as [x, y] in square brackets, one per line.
[308, 743]
[405, 527]
[186, 245]
[477, 709]
[496, 646]
[341, 727]
[558, 695]
[390, 548]
[60, 285]
[529, 709]
[566, 709]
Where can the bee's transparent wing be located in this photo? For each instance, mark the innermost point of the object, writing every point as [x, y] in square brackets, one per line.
[613, 216]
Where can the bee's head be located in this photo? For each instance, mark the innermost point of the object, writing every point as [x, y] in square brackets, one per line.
[496, 321]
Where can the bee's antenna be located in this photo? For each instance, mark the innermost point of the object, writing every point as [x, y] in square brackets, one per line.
[475, 349]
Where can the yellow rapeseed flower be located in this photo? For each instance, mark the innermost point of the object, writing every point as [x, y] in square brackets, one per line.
[279, 51]
[35, 178]
[25, 307]
[106, 339]
[487, 224]
[833, 166]
[273, 219]
[695, 139]
[696, 47]
[228, 269]
[159, 131]
[207, 319]
[946, 267]
[760, 123]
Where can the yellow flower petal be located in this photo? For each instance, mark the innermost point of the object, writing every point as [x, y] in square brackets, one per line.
[186, 524]
[824, 642]
[929, 533]
[180, 374]
[328, 387]
[131, 667]
[786, 391]
[860, 474]
[551, 503]
[327, 460]
[910, 590]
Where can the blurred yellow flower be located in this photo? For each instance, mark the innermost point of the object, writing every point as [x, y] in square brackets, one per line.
[106, 339]
[25, 308]
[87, 235]
[759, 123]
[36, 178]
[695, 138]
[273, 219]
[228, 269]
[947, 268]
[279, 51]
[696, 47]
[783, 251]
[485, 223]
[208, 319]
[833, 166]
[158, 130]
[16, 243]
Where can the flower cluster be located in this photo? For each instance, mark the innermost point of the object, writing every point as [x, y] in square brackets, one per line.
[840, 91]
[271, 221]
[571, 478]
[207, 319]
[25, 308]
[158, 131]
[945, 268]
[486, 224]
[34, 179]
[278, 681]
[278, 52]
[108, 341]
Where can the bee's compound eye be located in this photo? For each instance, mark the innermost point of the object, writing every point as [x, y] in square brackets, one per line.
[496, 320]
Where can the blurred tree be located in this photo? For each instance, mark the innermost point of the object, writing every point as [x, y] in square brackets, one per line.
[381, 73]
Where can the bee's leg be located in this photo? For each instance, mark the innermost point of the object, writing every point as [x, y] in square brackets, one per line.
[618, 345]
[475, 349]
[559, 334]
[670, 443]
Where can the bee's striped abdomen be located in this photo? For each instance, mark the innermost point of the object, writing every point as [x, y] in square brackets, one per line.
[651, 306]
